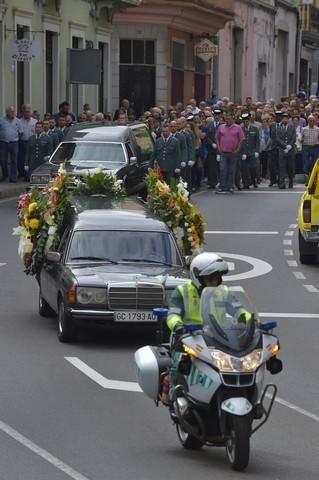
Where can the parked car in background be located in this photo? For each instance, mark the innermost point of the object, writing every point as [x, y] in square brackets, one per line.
[113, 266]
[124, 151]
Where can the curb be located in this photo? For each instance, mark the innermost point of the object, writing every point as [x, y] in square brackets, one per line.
[13, 191]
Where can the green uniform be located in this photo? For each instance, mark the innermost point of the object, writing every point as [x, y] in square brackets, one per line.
[38, 147]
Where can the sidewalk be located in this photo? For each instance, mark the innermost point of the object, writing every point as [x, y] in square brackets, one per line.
[8, 190]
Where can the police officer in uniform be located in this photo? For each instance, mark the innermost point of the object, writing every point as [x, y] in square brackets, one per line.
[52, 133]
[249, 152]
[190, 148]
[180, 136]
[39, 146]
[167, 155]
[286, 139]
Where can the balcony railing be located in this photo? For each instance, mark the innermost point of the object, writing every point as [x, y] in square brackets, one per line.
[309, 18]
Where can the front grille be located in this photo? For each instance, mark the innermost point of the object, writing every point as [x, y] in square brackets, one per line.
[238, 380]
[138, 297]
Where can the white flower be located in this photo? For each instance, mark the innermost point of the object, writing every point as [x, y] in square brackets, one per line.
[18, 230]
[52, 230]
[119, 183]
[186, 224]
[61, 170]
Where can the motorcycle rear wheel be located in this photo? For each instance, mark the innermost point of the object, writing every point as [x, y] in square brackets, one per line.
[188, 441]
[238, 442]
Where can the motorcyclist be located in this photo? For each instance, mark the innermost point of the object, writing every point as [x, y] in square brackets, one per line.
[206, 270]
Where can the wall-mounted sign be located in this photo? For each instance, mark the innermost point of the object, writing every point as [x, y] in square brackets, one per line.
[26, 50]
[205, 49]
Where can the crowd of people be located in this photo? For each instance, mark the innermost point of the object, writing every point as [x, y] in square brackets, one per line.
[230, 145]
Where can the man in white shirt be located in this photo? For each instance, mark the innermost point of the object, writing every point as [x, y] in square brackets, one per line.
[28, 128]
[10, 133]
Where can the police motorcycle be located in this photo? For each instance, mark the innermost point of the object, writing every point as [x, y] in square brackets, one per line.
[214, 374]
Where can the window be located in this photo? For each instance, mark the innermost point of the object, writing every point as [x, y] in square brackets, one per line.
[137, 52]
[178, 56]
[89, 152]
[49, 70]
[145, 144]
[178, 65]
[21, 71]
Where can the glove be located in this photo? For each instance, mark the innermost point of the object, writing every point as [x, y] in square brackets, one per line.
[256, 155]
[214, 145]
[183, 164]
[289, 147]
[244, 157]
[26, 168]
[191, 163]
[286, 150]
[217, 158]
[177, 170]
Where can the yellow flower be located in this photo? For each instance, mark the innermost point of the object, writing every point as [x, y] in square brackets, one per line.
[32, 207]
[34, 223]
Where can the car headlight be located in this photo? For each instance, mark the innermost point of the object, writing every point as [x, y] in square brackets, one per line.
[228, 363]
[40, 178]
[86, 295]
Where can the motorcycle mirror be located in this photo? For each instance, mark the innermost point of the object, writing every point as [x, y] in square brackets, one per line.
[268, 325]
[274, 365]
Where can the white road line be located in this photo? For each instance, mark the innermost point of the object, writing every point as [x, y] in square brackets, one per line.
[238, 232]
[299, 275]
[304, 412]
[100, 380]
[287, 242]
[287, 315]
[63, 467]
[293, 225]
[289, 233]
[2, 264]
[288, 253]
[311, 289]
[292, 263]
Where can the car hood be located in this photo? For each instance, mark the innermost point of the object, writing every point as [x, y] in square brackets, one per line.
[101, 275]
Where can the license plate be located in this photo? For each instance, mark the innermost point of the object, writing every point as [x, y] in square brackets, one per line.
[134, 317]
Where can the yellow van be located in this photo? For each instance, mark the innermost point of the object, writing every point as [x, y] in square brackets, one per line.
[308, 219]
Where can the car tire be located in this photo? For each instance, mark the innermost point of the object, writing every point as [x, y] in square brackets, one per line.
[307, 251]
[44, 308]
[66, 331]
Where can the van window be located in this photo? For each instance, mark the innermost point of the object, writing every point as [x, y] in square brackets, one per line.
[144, 142]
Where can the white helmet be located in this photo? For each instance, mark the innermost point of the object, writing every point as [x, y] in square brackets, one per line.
[206, 264]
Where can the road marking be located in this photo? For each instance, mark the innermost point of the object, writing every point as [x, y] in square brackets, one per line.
[134, 387]
[237, 232]
[299, 275]
[289, 233]
[304, 412]
[260, 267]
[292, 263]
[287, 242]
[231, 266]
[287, 315]
[56, 462]
[311, 289]
[293, 225]
[288, 253]
[100, 380]
[2, 264]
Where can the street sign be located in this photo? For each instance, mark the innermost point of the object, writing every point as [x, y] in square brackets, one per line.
[205, 49]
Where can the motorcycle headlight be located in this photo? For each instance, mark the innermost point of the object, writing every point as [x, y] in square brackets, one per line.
[229, 363]
[86, 295]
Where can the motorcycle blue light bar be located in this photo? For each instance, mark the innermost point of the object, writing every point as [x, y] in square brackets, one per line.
[192, 327]
[160, 312]
[268, 325]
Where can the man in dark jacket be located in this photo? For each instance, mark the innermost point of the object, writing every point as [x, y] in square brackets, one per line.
[167, 155]
[39, 147]
[286, 139]
[249, 152]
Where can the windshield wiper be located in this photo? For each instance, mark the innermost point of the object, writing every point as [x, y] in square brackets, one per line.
[146, 260]
[99, 259]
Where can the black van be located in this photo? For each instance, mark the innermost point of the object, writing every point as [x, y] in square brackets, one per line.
[124, 150]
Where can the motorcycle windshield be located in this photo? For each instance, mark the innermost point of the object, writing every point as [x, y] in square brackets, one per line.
[228, 317]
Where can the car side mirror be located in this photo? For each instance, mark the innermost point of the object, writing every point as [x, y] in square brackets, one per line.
[133, 159]
[53, 257]
[188, 260]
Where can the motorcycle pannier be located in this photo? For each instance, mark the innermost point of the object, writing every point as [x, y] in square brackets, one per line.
[150, 363]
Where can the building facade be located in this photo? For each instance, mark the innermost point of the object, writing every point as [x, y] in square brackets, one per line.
[153, 59]
[259, 51]
[309, 55]
[55, 26]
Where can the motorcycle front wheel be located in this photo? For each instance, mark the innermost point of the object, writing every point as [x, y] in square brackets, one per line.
[187, 440]
[238, 442]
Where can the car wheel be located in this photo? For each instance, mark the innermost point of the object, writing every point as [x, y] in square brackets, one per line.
[44, 308]
[66, 332]
[307, 251]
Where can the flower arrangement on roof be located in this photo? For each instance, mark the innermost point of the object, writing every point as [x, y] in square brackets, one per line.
[41, 212]
[172, 205]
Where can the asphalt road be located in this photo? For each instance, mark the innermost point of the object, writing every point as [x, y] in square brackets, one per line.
[57, 424]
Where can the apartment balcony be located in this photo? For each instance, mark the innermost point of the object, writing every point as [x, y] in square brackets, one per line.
[309, 22]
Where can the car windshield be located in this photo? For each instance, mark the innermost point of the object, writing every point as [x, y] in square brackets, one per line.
[77, 152]
[228, 317]
[123, 246]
